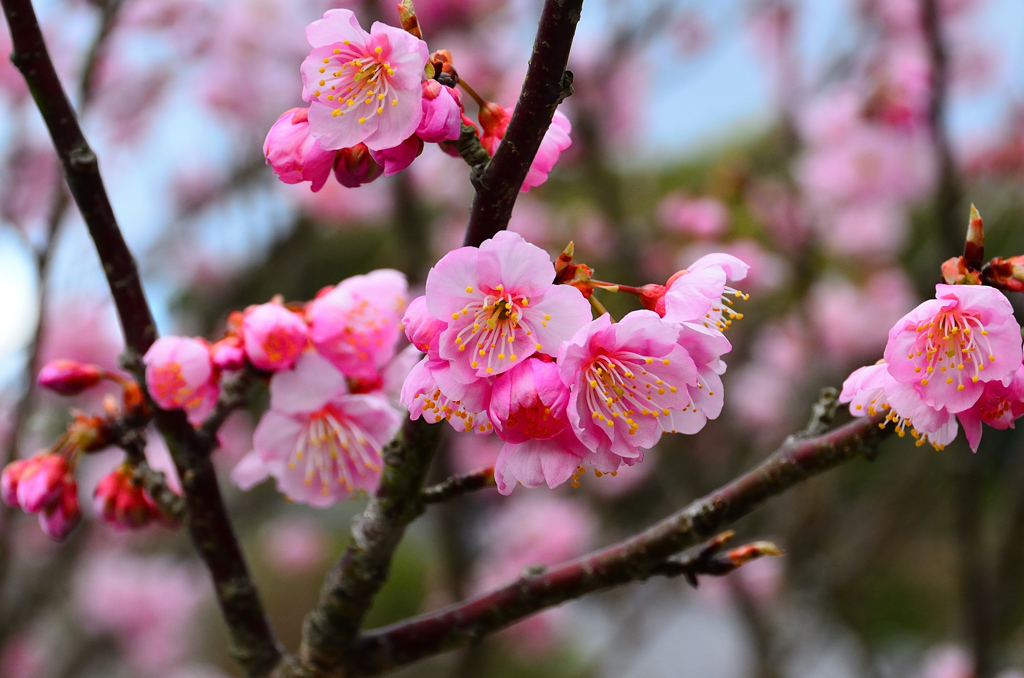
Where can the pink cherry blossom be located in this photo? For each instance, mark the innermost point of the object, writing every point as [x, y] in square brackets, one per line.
[421, 328]
[294, 154]
[950, 346]
[528, 411]
[422, 396]
[68, 377]
[872, 390]
[501, 306]
[180, 375]
[319, 441]
[295, 545]
[228, 353]
[355, 324]
[394, 160]
[700, 294]
[355, 166]
[555, 140]
[41, 481]
[274, 337]
[624, 376]
[363, 87]
[700, 217]
[1001, 403]
[442, 113]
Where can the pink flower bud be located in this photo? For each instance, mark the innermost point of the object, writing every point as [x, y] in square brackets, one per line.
[180, 375]
[442, 113]
[9, 481]
[59, 518]
[274, 336]
[228, 354]
[354, 167]
[41, 482]
[121, 503]
[68, 377]
[394, 160]
[294, 154]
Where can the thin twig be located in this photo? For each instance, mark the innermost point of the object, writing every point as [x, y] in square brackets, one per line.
[252, 641]
[547, 84]
[634, 559]
[459, 485]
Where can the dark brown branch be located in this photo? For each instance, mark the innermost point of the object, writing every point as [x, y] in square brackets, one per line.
[330, 629]
[634, 559]
[459, 485]
[547, 83]
[253, 642]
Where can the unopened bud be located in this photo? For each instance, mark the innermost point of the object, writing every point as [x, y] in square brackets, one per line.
[564, 259]
[9, 479]
[68, 377]
[407, 14]
[41, 481]
[974, 247]
[59, 518]
[354, 166]
[89, 434]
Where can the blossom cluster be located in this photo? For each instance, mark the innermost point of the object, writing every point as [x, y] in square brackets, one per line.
[955, 357]
[329, 364]
[510, 352]
[374, 98]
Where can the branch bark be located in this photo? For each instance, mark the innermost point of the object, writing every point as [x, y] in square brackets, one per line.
[252, 642]
[547, 84]
[634, 559]
[459, 485]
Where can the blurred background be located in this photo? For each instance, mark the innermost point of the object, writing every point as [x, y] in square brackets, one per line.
[834, 146]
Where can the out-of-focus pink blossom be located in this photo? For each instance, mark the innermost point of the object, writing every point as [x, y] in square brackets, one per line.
[700, 217]
[851, 321]
[293, 152]
[356, 166]
[555, 141]
[356, 323]
[180, 375]
[40, 481]
[949, 347]
[147, 604]
[501, 306]
[782, 211]
[28, 171]
[394, 160]
[61, 516]
[874, 230]
[363, 87]
[121, 503]
[228, 353]
[294, 545]
[274, 336]
[319, 441]
[947, 661]
[24, 655]
[442, 113]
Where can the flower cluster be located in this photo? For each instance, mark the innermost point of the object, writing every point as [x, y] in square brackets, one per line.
[955, 357]
[511, 352]
[373, 100]
[331, 363]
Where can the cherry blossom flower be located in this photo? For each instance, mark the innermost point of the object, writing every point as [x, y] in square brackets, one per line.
[501, 306]
[872, 390]
[1000, 404]
[274, 337]
[45, 485]
[319, 441]
[363, 87]
[355, 324]
[293, 152]
[494, 120]
[949, 347]
[180, 375]
[623, 377]
[528, 411]
[700, 293]
[424, 398]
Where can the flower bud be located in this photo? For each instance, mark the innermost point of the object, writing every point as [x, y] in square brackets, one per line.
[121, 503]
[974, 247]
[9, 481]
[59, 518]
[69, 378]
[354, 166]
[41, 481]
[442, 113]
[293, 152]
[228, 354]
[494, 120]
[274, 337]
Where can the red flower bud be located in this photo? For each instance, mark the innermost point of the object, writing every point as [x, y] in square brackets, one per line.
[68, 377]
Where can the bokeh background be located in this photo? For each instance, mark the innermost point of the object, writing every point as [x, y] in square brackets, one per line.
[834, 146]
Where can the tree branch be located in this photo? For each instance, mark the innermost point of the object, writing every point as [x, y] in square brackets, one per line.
[547, 84]
[253, 642]
[458, 485]
[331, 628]
[634, 559]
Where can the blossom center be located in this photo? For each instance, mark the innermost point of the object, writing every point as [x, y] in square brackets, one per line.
[499, 319]
[334, 450]
[356, 80]
[624, 385]
[949, 345]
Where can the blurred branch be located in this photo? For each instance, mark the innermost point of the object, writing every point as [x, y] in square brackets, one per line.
[547, 84]
[459, 485]
[253, 642]
[331, 628]
[634, 559]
